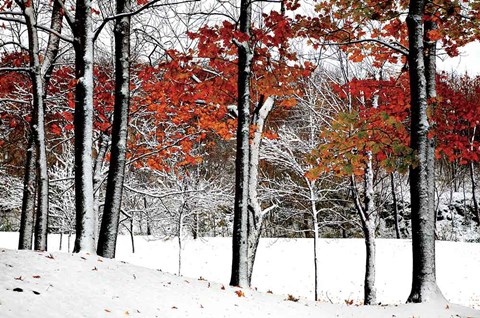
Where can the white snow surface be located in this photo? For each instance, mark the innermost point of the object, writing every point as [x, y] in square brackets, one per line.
[59, 284]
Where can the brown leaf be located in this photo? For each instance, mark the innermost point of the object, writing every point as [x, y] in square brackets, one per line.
[240, 293]
[50, 256]
[292, 298]
[36, 276]
[349, 301]
[173, 307]
[19, 278]
[107, 310]
[222, 288]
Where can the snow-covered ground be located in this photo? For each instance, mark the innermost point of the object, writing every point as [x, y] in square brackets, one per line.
[88, 286]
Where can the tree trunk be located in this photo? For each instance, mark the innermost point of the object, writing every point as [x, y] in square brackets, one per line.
[315, 241]
[369, 226]
[38, 131]
[40, 74]
[370, 292]
[368, 216]
[255, 212]
[395, 207]
[430, 56]
[239, 274]
[97, 177]
[113, 197]
[474, 189]
[28, 200]
[424, 286]
[83, 120]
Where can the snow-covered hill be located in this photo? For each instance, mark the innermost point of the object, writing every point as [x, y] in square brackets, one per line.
[34, 284]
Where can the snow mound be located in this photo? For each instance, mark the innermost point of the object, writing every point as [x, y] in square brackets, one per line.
[34, 284]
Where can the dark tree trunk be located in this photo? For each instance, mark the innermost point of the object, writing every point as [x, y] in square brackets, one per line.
[424, 286]
[28, 200]
[83, 120]
[474, 196]
[113, 197]
[239, 274]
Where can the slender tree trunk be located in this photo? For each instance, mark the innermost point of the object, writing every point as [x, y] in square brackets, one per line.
[28, 200]
[474, 189]
[239, 274]
[424, 285]
[97, 177]
[132, 233]
[395, 207]
[83, 120]
[180, 234]
[255, 212]
[368, 216]
[313, 207]
[369, 226]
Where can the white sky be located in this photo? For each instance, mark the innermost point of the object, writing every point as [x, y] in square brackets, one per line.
[467, 61]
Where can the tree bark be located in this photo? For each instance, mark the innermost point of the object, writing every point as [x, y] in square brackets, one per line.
[83, 120]
[239, 273]
[424, 286]
[113, 197]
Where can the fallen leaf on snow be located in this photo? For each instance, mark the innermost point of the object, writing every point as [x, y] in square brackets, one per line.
[240, 293]
[349, 301]
[292, 298]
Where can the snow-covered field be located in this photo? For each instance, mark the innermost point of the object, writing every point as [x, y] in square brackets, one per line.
[284, 267]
